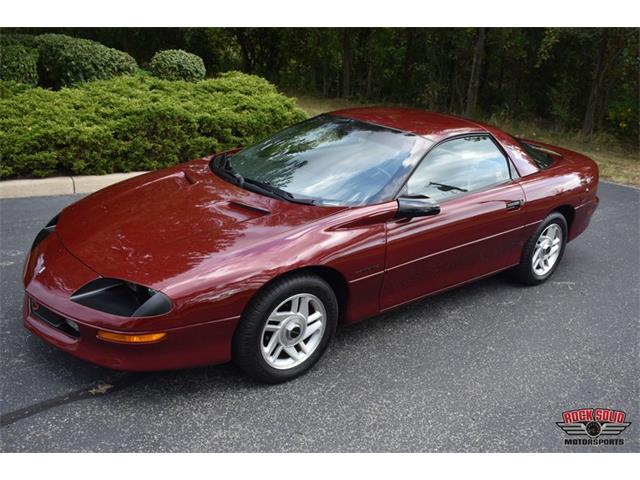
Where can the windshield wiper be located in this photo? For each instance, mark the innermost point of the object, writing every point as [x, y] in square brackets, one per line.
[224, 164]
[282, 194]
[223, 168]
[445, 188]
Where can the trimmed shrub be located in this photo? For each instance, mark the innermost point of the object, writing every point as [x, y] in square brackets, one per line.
[136, 123]
[19, 64]
[29, 41]
[66, 61]
[177, 65]
[237, 82]
[9, 88]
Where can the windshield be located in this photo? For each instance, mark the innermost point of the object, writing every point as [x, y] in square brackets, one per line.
[332, 160]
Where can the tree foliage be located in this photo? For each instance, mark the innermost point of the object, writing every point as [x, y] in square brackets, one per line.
[570, 78]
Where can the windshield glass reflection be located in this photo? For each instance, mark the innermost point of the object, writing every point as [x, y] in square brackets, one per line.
[333, 160]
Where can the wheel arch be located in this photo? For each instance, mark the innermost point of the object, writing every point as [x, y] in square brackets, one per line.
[332, 276]
[569, 214]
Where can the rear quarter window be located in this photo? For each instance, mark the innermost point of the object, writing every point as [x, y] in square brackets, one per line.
[542, 159]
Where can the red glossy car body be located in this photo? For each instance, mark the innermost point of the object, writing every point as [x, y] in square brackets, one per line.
[210, 245]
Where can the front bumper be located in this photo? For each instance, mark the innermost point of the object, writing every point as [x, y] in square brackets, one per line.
[191, 346]
[52, 274]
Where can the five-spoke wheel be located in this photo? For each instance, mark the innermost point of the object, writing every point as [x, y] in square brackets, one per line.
[286, 327]
[543, 251]
[547, 250]
[293, 331]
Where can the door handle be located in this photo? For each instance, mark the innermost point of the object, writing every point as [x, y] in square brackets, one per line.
[514, 204]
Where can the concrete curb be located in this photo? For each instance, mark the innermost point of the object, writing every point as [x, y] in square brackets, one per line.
[60, 185]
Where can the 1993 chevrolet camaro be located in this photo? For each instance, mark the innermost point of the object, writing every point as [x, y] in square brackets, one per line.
[256, 255]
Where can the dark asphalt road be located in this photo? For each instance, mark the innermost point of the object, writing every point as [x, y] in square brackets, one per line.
[487, 367]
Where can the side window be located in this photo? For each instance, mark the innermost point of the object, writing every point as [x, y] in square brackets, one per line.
[542, 158]
[458, 166]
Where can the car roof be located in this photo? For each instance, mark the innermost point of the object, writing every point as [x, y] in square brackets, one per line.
[431, 125]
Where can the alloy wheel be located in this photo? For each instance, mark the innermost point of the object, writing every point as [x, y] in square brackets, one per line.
[293, 331]
[547, 250]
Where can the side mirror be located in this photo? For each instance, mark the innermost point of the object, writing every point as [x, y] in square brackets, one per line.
[418, 206]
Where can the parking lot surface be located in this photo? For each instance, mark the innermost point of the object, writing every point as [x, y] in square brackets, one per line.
[487, 367]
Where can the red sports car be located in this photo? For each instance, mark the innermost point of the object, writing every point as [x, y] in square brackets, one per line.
[257, 254]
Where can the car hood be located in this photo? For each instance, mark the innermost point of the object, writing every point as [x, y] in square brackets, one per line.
[154, 228]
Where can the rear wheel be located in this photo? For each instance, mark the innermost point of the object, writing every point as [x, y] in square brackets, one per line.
[286, 328]
[543, 251]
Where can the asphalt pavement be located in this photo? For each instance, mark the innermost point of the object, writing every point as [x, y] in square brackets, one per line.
[487, 367]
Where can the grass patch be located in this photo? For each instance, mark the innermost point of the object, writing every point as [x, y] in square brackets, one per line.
[617, 162]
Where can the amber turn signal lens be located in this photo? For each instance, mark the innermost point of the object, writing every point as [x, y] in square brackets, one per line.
[121, 338]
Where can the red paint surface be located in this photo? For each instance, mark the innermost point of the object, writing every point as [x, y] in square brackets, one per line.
[210, 246]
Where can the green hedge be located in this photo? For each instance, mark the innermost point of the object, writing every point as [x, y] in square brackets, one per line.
[19, 64]
[136, 123]
[66, 61]
[177, 65]
[29, 41]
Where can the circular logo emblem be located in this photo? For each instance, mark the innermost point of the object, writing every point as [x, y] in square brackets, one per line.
[593, 429]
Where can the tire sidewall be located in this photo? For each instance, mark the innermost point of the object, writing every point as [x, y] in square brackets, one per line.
[255, 317]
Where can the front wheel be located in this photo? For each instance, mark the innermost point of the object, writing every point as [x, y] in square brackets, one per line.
[543, 251]
[286, 328]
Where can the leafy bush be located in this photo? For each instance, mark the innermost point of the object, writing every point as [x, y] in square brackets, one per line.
[177, 65]
[29, 41]
[66, 61]
[10, 88]
[19, 64]
[136, 123]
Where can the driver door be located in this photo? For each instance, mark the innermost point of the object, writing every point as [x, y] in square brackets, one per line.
[478, 231]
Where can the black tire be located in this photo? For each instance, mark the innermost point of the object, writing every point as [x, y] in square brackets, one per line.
[247, 340]
[525, 271]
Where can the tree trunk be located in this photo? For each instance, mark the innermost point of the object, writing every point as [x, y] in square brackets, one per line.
[589, 122]
[325, 80]
[451, 89]
[369, 63]
[474, 81]
[346, 63]
[245, 53]
[611, 47]
[406, 64]
[603, 107]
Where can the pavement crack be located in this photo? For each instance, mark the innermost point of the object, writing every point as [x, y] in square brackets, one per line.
[99, 390]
